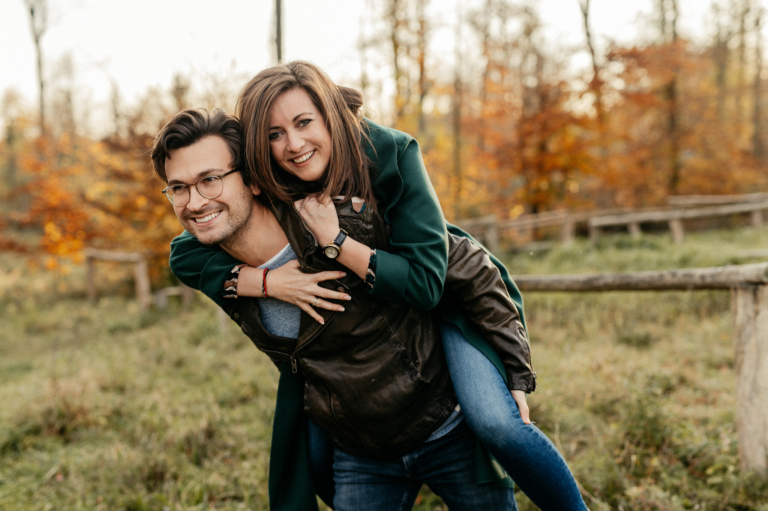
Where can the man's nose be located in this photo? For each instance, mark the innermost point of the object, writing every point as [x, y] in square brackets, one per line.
[196, 200]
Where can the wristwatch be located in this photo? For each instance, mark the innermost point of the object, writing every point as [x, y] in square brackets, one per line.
[333, 249]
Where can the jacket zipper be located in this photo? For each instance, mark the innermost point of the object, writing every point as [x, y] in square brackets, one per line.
[292, 356]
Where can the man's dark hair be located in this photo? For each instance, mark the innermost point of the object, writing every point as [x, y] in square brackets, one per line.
[190, 126]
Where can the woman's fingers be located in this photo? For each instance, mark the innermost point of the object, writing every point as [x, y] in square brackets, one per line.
[306, 307]
[327, 293]
[328, 305]
[519, 397]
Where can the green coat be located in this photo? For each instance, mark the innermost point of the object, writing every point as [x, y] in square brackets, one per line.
[412, 272]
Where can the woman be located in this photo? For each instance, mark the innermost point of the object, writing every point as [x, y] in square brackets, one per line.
[305, 142]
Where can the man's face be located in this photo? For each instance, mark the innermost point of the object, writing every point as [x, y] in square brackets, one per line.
[210, 220]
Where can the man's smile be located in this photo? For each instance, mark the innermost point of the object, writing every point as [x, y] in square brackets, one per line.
[206, 218]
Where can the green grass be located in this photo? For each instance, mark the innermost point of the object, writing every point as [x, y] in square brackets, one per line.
[107, 408]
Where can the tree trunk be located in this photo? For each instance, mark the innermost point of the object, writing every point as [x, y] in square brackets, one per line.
[758, 149]
[279, 30]
[421, 48]
[458, 100]
[38, 23]
[673, 126]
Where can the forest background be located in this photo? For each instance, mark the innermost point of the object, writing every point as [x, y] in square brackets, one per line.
[164, 409]
[512, 128]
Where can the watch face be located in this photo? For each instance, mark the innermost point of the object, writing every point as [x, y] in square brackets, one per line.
[331, 252]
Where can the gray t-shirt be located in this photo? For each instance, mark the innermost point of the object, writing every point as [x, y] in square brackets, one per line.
[280, 318]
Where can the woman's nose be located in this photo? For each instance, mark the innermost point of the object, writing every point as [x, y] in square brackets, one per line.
[295, 141]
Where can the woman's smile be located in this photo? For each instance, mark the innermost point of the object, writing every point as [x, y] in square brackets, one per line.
[303, 158]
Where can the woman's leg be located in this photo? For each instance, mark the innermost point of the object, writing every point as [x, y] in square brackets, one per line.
[321, 462]
[522, 449]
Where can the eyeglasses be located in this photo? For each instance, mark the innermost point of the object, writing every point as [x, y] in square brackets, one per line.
[209, 187]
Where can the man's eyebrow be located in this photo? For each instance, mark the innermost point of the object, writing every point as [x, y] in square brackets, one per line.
[294, 120]
[198, 176]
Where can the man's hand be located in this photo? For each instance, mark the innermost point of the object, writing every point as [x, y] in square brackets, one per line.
[519, 397]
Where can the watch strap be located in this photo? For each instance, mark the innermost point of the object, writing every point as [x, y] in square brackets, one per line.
[340, 238]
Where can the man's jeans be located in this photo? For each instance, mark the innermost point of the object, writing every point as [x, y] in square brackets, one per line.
[446, 465]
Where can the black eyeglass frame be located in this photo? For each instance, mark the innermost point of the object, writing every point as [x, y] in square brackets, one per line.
[169, 196]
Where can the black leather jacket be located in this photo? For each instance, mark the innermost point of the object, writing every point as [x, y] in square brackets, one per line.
[376, 377]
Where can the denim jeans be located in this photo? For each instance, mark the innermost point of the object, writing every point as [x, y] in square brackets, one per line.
[446, 465]
[527, 455]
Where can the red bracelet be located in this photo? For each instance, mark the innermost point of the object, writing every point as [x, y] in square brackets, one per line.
[264, 284]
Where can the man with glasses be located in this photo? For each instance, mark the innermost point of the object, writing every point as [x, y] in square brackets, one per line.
[198, 156]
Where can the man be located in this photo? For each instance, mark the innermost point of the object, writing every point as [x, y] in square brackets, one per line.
[391, 413]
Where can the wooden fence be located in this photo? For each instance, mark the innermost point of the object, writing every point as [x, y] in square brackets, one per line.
[749, 304]
[140, 276]
[490, 228]
[712, 200]
[675, 218]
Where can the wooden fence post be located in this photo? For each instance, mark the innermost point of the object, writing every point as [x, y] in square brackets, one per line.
[143, 290]
[567, 230]
[492, 236]
[750, 312]
[634, 229]
[678, 233]
[90, 265]
[757, 218]
[594, 233]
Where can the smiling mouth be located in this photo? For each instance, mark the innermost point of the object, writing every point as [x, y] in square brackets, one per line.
[302, 159]
[207, 218]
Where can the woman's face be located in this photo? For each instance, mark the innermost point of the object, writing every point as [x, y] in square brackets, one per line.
[298, 138]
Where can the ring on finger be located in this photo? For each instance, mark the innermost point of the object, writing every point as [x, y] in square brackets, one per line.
[314, 304]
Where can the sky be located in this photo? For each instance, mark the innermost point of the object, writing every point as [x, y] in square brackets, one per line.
[143, 43]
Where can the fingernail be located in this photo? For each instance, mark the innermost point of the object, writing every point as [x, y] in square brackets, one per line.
[343, 274]
[347, 297]
[342, 309]
[322, 321]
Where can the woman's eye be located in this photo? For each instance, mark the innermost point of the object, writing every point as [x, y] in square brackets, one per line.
[304, 122]
[273, 135]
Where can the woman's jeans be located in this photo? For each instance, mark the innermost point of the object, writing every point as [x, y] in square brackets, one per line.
[527, 455]
[492, 414]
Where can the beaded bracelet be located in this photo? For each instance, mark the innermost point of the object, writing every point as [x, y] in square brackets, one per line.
[370, 274]
[264, 284]
[230, 286]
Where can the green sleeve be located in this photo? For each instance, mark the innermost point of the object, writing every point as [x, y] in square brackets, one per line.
[413, 270]
[203, 267]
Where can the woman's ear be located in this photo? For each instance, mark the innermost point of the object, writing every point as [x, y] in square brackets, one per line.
[255, 189]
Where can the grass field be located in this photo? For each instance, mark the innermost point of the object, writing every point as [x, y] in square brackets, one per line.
[107, 408]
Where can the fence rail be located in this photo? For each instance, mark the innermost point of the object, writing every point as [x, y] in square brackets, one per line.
[490, 228]
[709, 200]
[749, 303]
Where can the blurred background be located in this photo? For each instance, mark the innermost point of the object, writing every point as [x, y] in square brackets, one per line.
[521, 107]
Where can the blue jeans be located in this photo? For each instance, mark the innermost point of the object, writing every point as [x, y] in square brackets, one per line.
[446, 465]
[527, 455]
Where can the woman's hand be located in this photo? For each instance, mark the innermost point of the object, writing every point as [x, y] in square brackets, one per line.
[289, 284]
[319, 215]
[519, 397]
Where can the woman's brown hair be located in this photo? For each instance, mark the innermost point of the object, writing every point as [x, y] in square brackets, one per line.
[348, 168]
